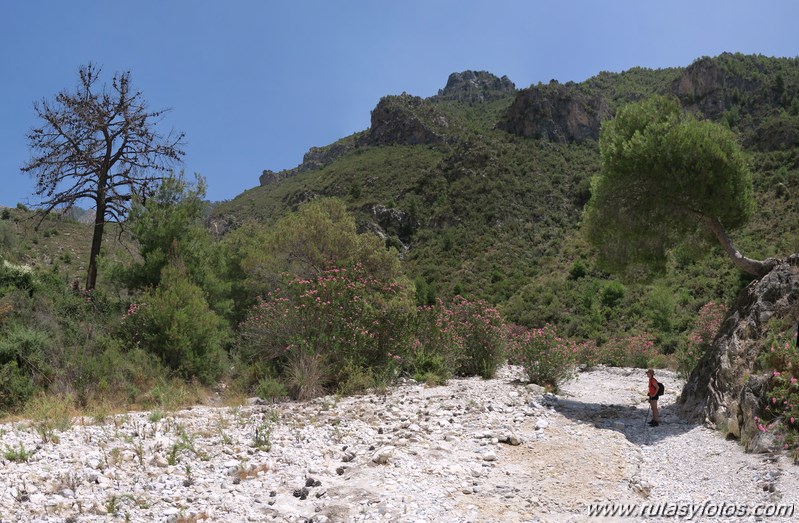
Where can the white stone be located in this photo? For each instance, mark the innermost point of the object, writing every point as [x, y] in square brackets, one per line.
[383, 454]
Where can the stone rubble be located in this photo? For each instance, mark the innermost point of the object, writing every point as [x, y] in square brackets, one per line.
[474, 450]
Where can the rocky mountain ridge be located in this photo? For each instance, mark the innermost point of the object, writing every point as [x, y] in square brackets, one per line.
[571, 112]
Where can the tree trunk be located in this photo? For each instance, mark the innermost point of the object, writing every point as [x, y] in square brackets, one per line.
[97, 243]
[755, 267]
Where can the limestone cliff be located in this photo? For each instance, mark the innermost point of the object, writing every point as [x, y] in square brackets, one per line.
[556, 112]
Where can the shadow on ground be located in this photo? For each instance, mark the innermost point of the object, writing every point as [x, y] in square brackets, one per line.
[626, 419]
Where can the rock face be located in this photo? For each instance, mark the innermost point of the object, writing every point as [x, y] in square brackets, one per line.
[725, 388]
[315, 158]
[318, 157]
[475, 87]
[395, 222]
[406, 120]
[556, 112]
[709, 88]
[268, 177]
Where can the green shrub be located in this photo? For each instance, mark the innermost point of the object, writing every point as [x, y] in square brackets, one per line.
[270, 389]
[578, 270]
[612, 294]
[8, 240]
[19, 454]
[16, 387]
[175, 323]
[356, 379]
[30, 349]
[19, 276]
[103, 372]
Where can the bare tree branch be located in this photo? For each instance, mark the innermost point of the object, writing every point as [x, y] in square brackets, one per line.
[98, 144]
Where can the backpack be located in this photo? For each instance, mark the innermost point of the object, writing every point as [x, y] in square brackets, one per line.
[661, 390]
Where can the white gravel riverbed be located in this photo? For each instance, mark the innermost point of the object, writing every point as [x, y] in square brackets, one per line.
[474, 450]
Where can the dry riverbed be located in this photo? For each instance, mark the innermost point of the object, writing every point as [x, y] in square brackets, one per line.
[474, 450]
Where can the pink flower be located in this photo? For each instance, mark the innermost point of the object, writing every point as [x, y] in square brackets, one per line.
[776, 374]
[761, 427]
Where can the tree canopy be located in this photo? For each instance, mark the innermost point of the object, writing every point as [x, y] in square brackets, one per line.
[666, 177]
[100, 144]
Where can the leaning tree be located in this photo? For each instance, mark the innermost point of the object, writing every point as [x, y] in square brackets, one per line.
[98, 144]
[667, 177]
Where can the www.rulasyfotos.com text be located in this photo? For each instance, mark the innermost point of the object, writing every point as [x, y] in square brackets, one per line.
[690, 511]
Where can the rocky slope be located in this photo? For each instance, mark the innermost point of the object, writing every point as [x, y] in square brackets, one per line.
[474, 450]
[557, 113]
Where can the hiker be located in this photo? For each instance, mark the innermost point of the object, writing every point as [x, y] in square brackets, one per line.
[654, 389]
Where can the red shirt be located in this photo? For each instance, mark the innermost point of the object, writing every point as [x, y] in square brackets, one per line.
[653, 386]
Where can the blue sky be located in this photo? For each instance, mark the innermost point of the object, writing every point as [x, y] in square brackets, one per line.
[255, 84]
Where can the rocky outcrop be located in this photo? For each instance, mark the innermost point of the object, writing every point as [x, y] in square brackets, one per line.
[708, 87]
[726, 389]
[318, 157]
[394, 222]
[268, 177]
[475, 87]
[406, 120]
[556, 112]
[315, 158]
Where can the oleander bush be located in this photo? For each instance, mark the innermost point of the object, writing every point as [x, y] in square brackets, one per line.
[636, 350]
[332, 326]
[707, 325]
[547, 358]
[781, 412]
[431, 357]
[478, 337]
